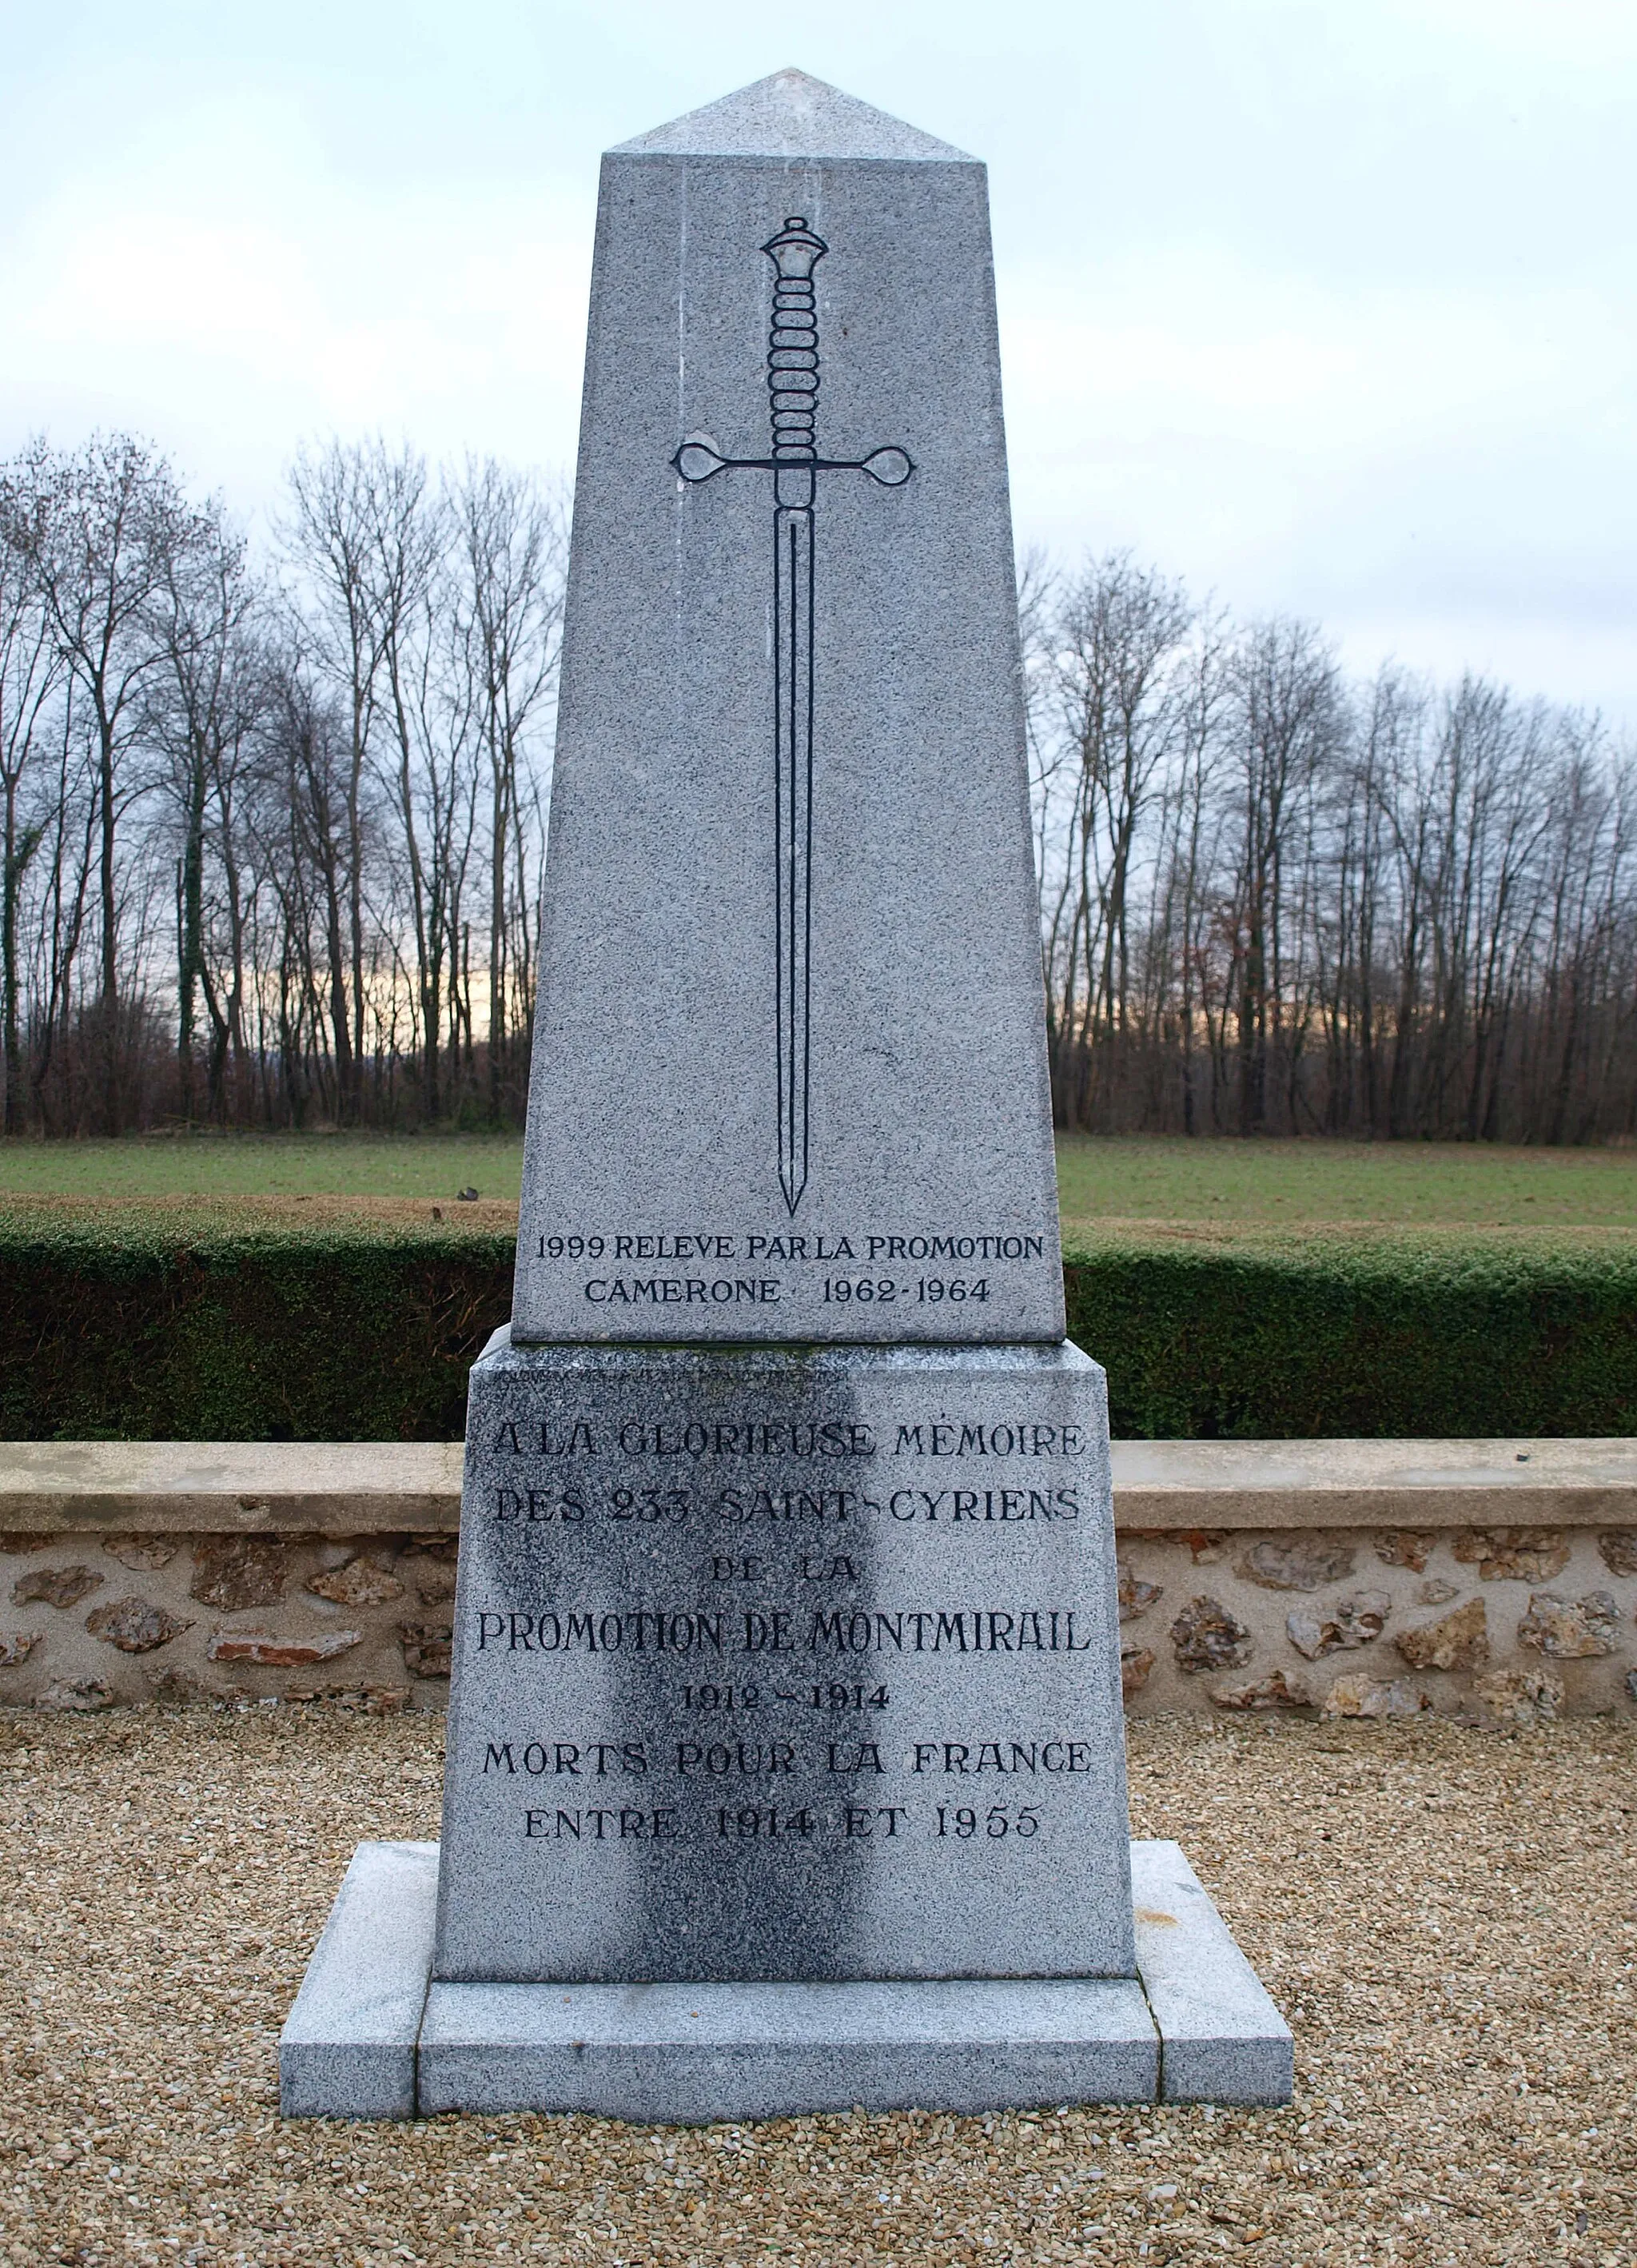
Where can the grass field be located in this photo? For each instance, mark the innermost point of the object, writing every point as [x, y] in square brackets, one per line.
[1407, 1184]
[414, 1166]
[1223, 1184]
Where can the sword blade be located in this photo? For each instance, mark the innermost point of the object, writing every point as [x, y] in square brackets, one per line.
[793, 800]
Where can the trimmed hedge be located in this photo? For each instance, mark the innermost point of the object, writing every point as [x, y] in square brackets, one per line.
[156, 1324]
[130, 1326]
[1341, 1333]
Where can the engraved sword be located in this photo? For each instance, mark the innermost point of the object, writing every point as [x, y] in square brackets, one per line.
[795, 463]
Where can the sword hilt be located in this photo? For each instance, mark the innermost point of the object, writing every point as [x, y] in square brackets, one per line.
[793, 390]
[793, 343]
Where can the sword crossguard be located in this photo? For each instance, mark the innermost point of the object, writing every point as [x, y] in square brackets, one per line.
[699, 461]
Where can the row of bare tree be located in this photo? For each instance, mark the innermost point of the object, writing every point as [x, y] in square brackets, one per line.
[272, 831]
[1277, 900]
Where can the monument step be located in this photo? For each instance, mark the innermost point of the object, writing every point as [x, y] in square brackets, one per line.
[372, 2036]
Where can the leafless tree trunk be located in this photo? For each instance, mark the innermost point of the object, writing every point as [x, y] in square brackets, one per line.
[513, 560]
[104, 523]
[30, 674]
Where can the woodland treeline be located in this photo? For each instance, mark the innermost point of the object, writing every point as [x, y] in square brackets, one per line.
[272, 828]
[1277, 900]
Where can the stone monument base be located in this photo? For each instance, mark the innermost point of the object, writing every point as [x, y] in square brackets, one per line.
[371, 2035]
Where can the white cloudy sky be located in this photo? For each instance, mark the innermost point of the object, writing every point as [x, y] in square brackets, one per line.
[1327, 304]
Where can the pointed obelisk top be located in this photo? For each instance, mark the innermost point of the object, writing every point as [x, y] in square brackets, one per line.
[789, 115]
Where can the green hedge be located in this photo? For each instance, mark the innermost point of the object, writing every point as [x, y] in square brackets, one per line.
[1342, 1333]
[131, 1328]
[149, 1327]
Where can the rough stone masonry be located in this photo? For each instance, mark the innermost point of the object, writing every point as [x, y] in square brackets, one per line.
[1520, 1622]
[785, 1767]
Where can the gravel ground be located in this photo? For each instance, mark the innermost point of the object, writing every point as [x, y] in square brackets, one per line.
[1449, 1917]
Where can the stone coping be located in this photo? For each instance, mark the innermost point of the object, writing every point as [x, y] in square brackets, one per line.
[368, 1488]
[323, 1488]
[1167, 1486]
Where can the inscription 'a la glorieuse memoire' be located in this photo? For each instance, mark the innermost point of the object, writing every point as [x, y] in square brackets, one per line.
[779, 1697]
[942, 1435]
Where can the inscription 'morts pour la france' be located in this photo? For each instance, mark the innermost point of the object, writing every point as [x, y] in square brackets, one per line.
[793, 369]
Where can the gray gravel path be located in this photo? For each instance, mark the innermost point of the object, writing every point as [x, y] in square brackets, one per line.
[1448, 1917]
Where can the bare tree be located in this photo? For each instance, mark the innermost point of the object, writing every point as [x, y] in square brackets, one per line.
[31, 671]
[1288, 712]
[205, 706]
[271, 847]
[512, 558]
[328, 540]
[102, 523]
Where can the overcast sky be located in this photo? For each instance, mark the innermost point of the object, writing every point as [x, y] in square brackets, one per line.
[1329, 308]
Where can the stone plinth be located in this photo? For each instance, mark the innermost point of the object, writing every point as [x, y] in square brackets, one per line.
[784, 1768]
[351, 2039]
[774, 1666]
[372, 2036]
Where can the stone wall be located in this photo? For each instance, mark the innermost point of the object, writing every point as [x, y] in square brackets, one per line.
[88, 1619]
[1516, 1624]
[1508, 1622]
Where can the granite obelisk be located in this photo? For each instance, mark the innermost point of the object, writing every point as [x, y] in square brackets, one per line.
[785, 1758]
[790, 1040]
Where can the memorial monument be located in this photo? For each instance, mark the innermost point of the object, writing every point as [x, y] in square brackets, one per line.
[785, 1756]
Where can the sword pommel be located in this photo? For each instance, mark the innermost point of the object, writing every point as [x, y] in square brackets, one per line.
[795, 251]
[793, 343]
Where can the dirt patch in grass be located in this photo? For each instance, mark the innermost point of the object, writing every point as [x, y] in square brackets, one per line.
[1448, 1917]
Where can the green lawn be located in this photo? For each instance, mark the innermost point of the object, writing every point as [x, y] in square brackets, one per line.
[433, 1165]
[1227, 1183]
[1386, 1184]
